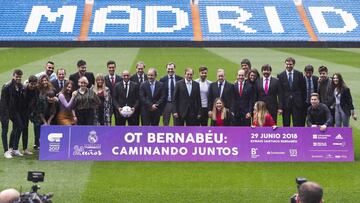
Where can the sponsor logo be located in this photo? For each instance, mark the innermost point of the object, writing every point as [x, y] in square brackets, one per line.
[275, 153]
[254, 153]
[320, 137]
[341, 144]
[319, 144]
[339, 137]
[293, 152]
[55, 142]
[89, 149]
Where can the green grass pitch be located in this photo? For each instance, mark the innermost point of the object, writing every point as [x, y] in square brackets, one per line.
[88, 181]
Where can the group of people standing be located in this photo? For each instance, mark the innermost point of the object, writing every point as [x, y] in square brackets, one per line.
[48, 98]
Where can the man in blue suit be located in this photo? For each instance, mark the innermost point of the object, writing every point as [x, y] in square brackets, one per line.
[152, 98]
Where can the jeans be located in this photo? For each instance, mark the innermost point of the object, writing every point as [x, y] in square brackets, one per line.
[341, 119]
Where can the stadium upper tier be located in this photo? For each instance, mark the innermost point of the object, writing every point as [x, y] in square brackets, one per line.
[180, 20]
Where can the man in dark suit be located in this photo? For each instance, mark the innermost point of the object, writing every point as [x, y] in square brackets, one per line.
[169, 82]
[139, 77]
[243, 102]
[311, 82]
[268, 90]
[152, 98]
[111, 80]
[81, 64]
[60, 81]
[126, 93]
[293, 94]
[187, 101]
[221, 88]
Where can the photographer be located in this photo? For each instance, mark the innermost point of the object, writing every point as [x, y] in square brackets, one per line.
[310, 192]
[9, 195]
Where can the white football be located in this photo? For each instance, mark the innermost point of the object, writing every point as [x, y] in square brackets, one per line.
[126, 111]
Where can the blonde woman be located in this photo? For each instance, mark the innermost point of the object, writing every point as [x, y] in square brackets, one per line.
[262, 117]
[85, 104]
[221, 116]
[104, 110]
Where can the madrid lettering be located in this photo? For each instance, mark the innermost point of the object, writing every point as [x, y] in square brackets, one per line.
[149, 15]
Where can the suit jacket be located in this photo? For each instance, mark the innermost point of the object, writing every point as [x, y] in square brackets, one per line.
[75, 78]
[244, 104]
[135, 78]
[119, 98]
[184, 104]
[147, 99]
[55, 83]
[296, 94]
[227, 95]
[165, 81]
[315, 81]
[273, 98]
[346, 102]
[108, 82]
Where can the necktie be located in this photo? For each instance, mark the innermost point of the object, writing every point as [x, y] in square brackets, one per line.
[189, 87]
[141, 79]
[61, 84]
[266, 86]
[241, 89]
[220, 84]
[308, 90]
[290, 79]
[152, 86]
[172, 87]
[126, 89]
[112, 81]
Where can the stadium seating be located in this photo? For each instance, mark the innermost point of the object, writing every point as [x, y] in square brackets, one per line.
[169, 20]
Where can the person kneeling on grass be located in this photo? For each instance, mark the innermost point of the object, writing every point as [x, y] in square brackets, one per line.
[262, 117]
[318, 114]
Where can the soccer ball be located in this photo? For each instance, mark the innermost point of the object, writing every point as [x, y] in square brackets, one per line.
[126, 111]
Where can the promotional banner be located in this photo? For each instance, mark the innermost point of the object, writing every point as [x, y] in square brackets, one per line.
[228, 144]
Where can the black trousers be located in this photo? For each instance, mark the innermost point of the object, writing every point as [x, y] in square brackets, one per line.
[85, 116]
[17, 119]
[4, 132]
[186, 121]
[151, 118]
[132, 120]
[203, 120]
[241, 120]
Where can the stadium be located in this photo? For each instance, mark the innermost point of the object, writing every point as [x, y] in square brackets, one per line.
[215, 34]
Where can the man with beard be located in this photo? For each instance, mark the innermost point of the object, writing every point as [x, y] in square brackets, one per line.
[81, 64]
[204, 93]
[13, 101]
[268, 90]
[49, 71]
[325, 90]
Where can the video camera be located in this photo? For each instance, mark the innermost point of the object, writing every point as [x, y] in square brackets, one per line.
[33, 196]
[299, 181]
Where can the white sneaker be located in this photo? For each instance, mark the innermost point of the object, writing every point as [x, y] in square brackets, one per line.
[28, 152]
[7, 155]
[17, 153]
